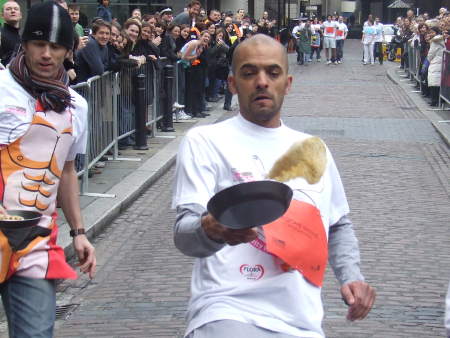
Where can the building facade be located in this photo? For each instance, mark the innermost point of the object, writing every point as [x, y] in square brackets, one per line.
[280, 10]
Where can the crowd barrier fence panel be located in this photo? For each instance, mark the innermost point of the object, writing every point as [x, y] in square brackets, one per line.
[418, 65]
[125, 103]
[81, 88]
[445, 79]
[111, 110]
[409, 68]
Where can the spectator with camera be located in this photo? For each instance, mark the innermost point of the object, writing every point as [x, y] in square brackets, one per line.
[217, 65]
[266, 25]
[94, 59]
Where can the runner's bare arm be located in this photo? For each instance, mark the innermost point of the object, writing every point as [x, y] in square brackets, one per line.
[69, 200]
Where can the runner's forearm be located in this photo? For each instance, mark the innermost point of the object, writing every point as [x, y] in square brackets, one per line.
[189, 236]
[343, 251]
[68, 196]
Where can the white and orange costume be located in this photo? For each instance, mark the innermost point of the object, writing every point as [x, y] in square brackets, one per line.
[35, 144]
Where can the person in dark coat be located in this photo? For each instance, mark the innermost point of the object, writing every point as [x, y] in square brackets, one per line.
[103, 10]
[183, 38]
[168, 45]
[94, 59]
[190, 17]
[217, 60]
[10, 37]
[145, 46]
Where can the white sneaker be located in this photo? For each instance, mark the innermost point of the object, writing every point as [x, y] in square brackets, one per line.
[183, 116]
[328, 62]
[176, 105]
[100, 164]
[364, 63]
[339, 61]
[318, 60]
[335, 62]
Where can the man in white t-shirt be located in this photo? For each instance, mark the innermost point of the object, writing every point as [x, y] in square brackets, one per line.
[341, 35]
[329, 39]
[296, 31]
[238, 288]
[379, 39]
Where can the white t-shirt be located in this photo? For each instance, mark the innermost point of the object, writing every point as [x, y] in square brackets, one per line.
[17, 108]
[296, 29]
[212, 158]
[369, 35]
[379, 32]
[299, 28]
[341, 31]
[329, 29]
[316, 27]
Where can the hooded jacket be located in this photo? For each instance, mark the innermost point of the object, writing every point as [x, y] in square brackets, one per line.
[435, 55]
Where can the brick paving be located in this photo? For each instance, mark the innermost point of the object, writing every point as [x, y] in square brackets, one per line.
[396, 172]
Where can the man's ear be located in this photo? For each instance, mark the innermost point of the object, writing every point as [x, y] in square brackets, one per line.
[232, 84]
[288, 84]
[69, 53]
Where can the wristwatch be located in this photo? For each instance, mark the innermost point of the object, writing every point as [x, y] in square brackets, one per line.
[76, 232]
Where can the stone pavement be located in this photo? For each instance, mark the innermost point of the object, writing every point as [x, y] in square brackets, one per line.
[396, 170]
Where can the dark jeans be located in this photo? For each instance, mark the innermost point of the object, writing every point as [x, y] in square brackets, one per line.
[378, 51]
[30, 306]
[228, 97]
[315, 50]
[339, 49]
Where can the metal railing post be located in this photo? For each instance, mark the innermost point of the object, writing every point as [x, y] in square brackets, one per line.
[155, 101]
[140, 112]
[167, 122]
[115, 85]
[85, 177]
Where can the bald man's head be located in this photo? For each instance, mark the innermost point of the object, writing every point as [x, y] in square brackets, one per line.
[260, 79]
[269, 44]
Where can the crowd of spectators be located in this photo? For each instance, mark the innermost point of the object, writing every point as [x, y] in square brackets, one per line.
[203, 42]
[430, 36]
[201, 45]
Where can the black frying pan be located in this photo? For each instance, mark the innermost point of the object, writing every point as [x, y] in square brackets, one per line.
[21, 233]
[250, 204]
[30, 218]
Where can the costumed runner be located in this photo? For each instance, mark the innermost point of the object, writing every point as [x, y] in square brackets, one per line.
[43, 126]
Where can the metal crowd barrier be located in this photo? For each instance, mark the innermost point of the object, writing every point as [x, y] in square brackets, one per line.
[445, 79]
[413, 73]
[111, 113]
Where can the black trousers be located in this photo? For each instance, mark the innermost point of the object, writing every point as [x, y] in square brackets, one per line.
[434, 93]
[195, 89]
[378, 51]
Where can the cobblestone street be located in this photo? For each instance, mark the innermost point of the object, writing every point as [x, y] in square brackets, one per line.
[396, 171]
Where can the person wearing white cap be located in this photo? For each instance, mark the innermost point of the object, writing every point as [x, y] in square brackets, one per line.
[43, 126]
[166, 16]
